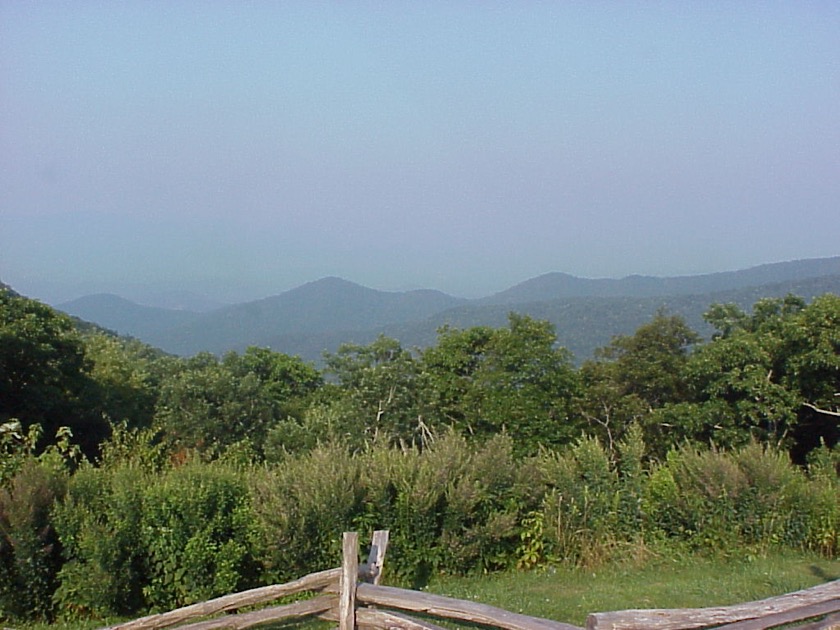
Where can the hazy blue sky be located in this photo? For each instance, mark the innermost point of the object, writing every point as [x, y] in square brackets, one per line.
[244, 148]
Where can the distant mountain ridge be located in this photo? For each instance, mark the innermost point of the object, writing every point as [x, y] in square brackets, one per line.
[560, 285]
[584, 324]
[329, 304]
[320, 315]
[124, 316]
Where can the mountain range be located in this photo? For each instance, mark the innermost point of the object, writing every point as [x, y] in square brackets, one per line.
[319, 316]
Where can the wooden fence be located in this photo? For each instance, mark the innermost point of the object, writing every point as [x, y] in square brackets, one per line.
[352, 597]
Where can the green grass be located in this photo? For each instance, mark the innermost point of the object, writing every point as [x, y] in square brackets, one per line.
[569, 595]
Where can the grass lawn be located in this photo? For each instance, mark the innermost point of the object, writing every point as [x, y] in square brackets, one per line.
[567, 594]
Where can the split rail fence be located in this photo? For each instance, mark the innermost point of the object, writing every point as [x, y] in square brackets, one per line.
[352, 597]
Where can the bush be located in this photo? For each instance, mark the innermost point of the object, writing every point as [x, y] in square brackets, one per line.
[198, 535]
[450, 507]
[582, 505]
[484, 506]
[29, 551]
[823, 501]
[99, 526]
[135, 539]
[753, 496]
[455, 507]
[302, 506]
[405, 494]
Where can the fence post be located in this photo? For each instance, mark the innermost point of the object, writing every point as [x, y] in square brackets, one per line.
[349, 576]
[376, 558]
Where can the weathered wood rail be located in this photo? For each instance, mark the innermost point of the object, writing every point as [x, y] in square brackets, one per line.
[766, 613]
[352, 596]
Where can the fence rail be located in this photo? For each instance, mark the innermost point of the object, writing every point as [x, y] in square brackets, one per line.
[352, 596]
[766, 613]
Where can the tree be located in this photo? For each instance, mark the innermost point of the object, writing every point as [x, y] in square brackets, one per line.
[210, 405]
[632, 379]
[811, 349]
[650, 362]
[44, 372]
[378, 391]
[288, 381]
[605, 404]
[123, 372]
[514, 379]
[736, 384]
[771, 375]
[450, 368]
[206, 407]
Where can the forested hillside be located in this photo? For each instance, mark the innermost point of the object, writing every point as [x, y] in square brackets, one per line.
[320, 316]
[584, 324]
[125, 317]
[560, 285]
[134, 480]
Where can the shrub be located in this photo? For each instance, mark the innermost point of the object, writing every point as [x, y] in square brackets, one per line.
[302, 505]
[450, 507]
[632, 482]
[582, 504]
[453, 507]
[99, 526]
[752, 496]
[823, 501]
[198, 535]
[405, 494]
[771, 505]
[485, 503]
[29, 550]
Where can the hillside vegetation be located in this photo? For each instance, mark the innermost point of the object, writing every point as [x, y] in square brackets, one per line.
[133, 480]
[320, 316]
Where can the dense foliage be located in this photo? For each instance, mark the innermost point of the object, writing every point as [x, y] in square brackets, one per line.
[133, 481]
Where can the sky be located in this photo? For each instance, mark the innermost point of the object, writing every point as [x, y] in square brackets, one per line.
[239, 149]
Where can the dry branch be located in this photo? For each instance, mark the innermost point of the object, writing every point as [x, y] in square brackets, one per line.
[826, 412]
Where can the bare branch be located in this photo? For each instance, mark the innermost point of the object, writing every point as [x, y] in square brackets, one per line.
[826, 412]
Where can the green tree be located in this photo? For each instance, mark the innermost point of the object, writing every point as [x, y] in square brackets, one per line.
[205, 406]
[650, 362]
[44, 372]
[811, 348]
[515, 379]
[378, 391]
[606, 406]
[738, 391]
[770, 375]
[286, 380]
[211, 405]
[526, 385]
[123, 373]
[451, 367]
[635, 379]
